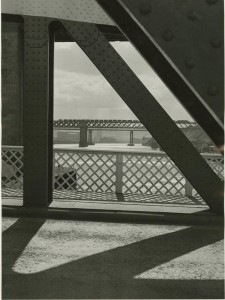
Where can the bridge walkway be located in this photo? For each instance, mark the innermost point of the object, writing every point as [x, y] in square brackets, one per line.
[64, 259]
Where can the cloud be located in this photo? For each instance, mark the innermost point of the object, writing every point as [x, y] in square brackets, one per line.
[151, 80]
[84, 96]
[132, 57]
[81, 91]
[70, 58]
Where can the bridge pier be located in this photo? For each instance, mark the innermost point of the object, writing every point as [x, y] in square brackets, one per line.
[90, 140]
[131, 139]
[83, 134]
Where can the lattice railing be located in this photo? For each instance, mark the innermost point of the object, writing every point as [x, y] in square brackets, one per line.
[125, 172]
[12, 167]
[152, 174]
[216, 162]
[105, 171]
[84, 170]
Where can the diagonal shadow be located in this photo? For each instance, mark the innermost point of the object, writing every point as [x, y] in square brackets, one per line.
[110, 274]
[16, 238]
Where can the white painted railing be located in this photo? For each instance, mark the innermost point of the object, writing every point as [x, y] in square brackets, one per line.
[108, 171]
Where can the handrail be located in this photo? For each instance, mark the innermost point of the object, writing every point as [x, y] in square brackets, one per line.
[160, 153]
[130, 151]
[126, 171]
[6, 147]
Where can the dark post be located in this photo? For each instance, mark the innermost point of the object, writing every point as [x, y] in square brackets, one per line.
[12, 83]
[131, 139]
[83, 134]
[90, 142]
[38, 107]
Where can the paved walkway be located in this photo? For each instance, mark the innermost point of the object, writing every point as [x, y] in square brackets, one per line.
[55, 259]
[112, 197]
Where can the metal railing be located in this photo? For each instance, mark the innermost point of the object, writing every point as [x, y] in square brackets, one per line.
[108, 171]
[12, 167]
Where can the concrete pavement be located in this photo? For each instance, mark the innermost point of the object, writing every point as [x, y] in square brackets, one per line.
[65, 259]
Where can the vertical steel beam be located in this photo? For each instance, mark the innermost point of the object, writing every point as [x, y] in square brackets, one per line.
[153, 25]
[149, 112]
[38, 107]
[12, 83]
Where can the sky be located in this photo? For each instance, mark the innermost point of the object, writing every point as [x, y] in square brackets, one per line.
[81, 91]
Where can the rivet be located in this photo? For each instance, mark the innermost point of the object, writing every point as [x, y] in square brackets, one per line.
[167, 35]
[145, 8]
[211, 1]
[212, 90]
[190, 62]
[192, 15]
[215, 42]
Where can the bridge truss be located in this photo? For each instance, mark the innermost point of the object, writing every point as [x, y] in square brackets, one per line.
[111, 124]
[183, 42]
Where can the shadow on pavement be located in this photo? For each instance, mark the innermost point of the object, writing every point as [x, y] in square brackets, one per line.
[109, 274]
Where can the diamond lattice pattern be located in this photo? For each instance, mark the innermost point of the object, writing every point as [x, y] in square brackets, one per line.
[148, 174]
[12, 169]
[217, 164]
[85, 171]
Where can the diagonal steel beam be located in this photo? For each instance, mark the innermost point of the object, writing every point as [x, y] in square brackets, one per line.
[149, 112]
[134, 18]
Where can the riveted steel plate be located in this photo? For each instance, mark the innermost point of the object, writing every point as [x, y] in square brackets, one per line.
[37, 108]
[11, 84]
[183, 41]
[192, 34]
[75, 10]
[148, 111]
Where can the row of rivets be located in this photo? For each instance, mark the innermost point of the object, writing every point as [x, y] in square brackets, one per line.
[168, 35]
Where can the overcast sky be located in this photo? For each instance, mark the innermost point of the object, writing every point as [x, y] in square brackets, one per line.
[82, 92]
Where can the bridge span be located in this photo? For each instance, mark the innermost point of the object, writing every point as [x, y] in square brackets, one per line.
[86, 126]
[66, 124]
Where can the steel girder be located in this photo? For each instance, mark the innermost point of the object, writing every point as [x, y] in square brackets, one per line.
[149, 112]
[183, 42]
[38, 108]
[73, 10]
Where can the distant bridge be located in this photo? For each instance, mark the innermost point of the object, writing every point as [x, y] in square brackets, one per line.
[87, 126]
[134, 125]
